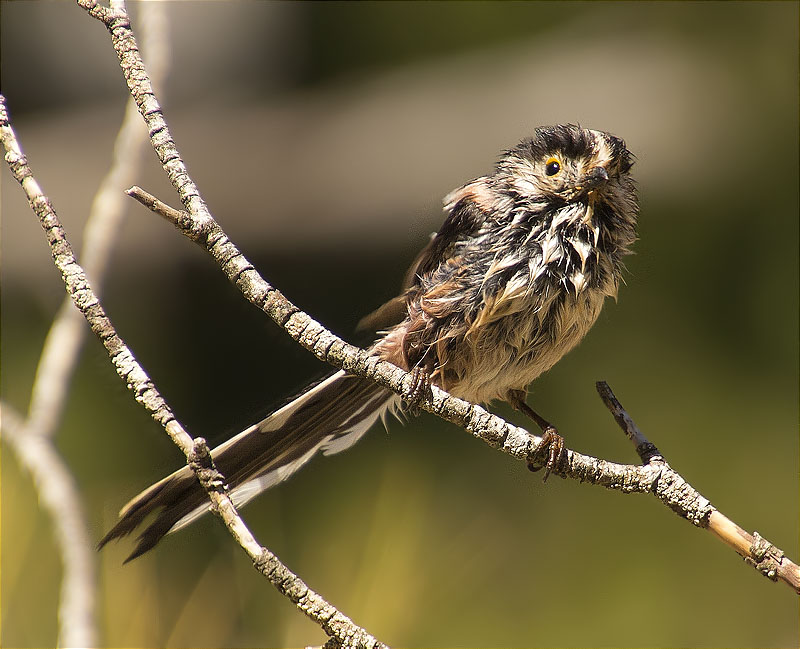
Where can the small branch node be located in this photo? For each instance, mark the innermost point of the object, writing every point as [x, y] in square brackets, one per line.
[645, 449]
[765, 557]
[202, 464]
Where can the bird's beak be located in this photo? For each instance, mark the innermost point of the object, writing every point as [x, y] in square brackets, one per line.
[594, 178]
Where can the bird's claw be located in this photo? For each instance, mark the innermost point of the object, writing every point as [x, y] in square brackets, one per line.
[553, 444]
[420, 389]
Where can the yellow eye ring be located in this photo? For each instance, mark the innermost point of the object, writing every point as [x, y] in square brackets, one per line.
[552, 166]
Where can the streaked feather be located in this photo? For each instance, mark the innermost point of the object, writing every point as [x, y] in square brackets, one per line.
[330, 417]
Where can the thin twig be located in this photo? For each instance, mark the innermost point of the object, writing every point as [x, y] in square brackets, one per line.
[65, 338]
[756, 550]
[197, 224]
[31, 438]
[58, 496]
[645, 449]
[333, 622]
[654, 476]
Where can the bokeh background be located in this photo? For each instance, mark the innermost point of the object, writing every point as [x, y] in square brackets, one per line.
[323, 136]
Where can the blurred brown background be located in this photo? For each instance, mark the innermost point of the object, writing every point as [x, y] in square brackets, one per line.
[323, 136]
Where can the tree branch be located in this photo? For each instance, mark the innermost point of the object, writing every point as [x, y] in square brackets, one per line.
[65, 338]
[655, 476]
[334, 623]
[31, 438]
[58, 495]
[756, 550]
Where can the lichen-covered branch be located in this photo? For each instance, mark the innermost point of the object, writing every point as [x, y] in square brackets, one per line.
[654, 476]
[78, 287]
[682, 498]
[31, 436]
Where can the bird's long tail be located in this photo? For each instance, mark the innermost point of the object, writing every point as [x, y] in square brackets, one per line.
[330, 417]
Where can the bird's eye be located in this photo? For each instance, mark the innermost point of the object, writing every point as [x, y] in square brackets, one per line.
[552, 166]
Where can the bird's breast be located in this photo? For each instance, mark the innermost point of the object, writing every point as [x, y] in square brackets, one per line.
[515, 341]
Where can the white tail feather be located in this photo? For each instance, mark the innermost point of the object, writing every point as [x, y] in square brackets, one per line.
[336, 442]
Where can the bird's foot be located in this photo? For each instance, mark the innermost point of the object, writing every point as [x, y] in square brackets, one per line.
[553, 445]
[419, 390]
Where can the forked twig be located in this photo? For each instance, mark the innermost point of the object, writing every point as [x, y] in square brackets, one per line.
[757, 551]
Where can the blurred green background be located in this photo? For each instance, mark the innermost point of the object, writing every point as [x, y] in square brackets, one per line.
[323, 136]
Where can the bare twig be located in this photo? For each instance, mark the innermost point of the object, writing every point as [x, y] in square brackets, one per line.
[198, 224]
[58, 495]
[117, 21]
[756, 550]
[31, 438]
[65, 338]
[338, 626]
[646, 450]
[654, 476]
[333, 622]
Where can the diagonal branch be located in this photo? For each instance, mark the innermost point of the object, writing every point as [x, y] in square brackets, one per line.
[655, 476]
[334, 623]
[31, 437]
[65, 338]
[769, 560]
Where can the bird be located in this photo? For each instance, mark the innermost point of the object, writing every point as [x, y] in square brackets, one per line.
[514, 278]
